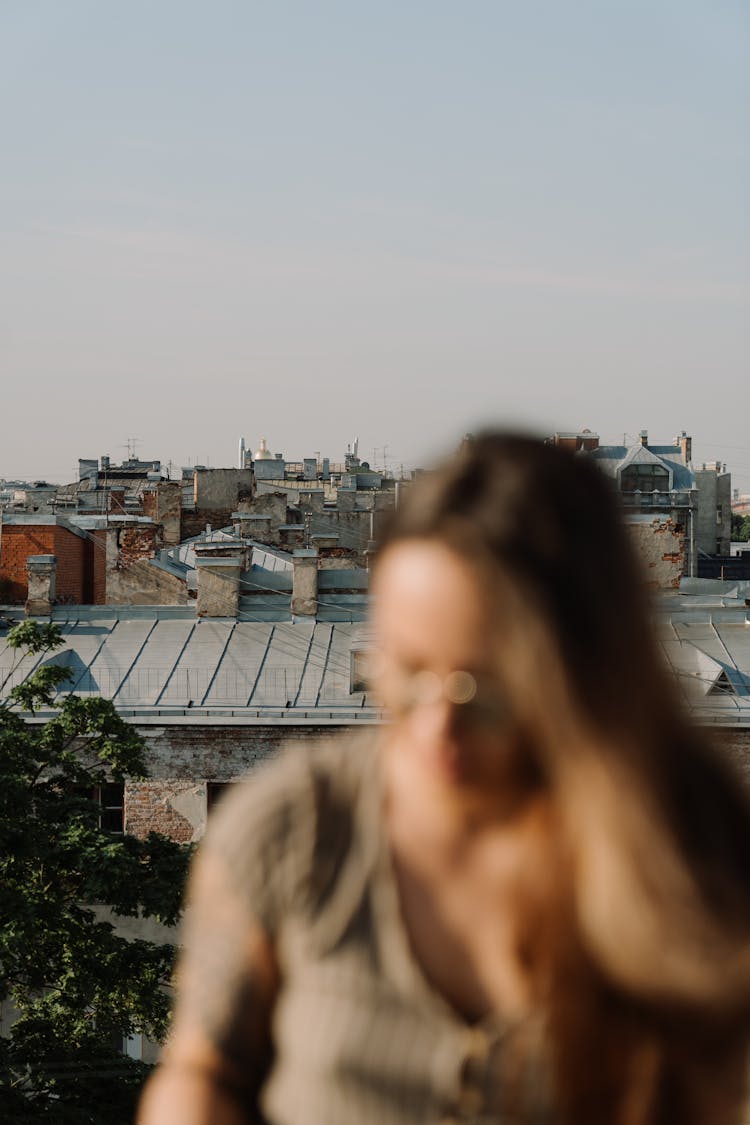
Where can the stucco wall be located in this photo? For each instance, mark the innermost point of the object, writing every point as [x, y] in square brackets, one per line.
[142, 583]
[221, 488]
[163, 503]
[713, 525]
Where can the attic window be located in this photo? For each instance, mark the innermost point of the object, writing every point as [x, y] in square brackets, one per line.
[645, 478]
[359, 670]
[721, 685]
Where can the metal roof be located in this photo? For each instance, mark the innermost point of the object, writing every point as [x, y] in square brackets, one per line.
[704, 632]
[150, 663]
[614, 457]
[159, 661]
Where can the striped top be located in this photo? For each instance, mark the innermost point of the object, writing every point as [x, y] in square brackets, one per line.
[360, 1037]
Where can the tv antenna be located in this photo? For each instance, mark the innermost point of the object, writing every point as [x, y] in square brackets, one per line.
[130, 445]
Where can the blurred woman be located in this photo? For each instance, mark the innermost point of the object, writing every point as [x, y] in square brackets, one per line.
[525, 899]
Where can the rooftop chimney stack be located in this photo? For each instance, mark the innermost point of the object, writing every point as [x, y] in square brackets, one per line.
[589, 441]
[305, 583]
[42, 571]
[686, 447]
[218, 585]
[644, 438]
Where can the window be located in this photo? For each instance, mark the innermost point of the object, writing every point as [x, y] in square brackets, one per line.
[645, 478]
[722, 685]
[132, 1045]
[359, 671]
[215, 791]
[110, 798]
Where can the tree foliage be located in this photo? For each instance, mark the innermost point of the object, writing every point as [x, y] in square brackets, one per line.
[77, 987]
[740, 528]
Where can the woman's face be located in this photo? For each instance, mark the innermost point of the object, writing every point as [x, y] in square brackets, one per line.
[434, 668]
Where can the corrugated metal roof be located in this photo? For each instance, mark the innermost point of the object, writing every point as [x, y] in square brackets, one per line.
[613, 457]
[160, 660]
[705, 636]
[148, 663]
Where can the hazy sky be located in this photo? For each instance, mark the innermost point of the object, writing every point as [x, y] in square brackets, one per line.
[397, 220]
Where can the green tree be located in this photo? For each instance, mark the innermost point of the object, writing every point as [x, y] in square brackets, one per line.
[740, 528]
[78, 988]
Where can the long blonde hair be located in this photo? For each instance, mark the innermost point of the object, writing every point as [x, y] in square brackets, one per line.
[649, 929]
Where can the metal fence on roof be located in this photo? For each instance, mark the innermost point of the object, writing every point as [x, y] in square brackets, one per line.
[280, 685]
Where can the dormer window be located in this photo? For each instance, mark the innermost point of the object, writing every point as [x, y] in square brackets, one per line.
[644, 478]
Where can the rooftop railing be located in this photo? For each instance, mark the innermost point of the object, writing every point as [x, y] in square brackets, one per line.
[682, 498]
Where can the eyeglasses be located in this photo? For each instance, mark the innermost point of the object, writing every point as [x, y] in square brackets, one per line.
[475, 703]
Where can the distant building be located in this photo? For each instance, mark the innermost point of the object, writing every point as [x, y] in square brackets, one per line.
[679, 514]
[129, 517]
[714, 519]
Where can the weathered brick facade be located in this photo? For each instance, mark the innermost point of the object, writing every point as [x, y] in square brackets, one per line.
[136, 543]
[221, 753]
[174, 808]
[194, 523]
[108, 565]
[661, 543]
[99, 567]
[163, 504]
[19, 541]
[184, 759]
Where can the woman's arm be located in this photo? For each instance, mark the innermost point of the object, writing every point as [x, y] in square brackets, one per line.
[219, 1048]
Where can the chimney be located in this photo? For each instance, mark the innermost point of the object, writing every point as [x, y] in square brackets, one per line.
[116, 501]
[686, 447]
[589, 441]
[218, 586]
[88, 469]
[41, 570]
[305, 583]
[644, 437]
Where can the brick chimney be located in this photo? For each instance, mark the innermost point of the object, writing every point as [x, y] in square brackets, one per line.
[218, 586]
[42, 570]
[686, 447]
[305, 583]
[589, 441]
[116, 501]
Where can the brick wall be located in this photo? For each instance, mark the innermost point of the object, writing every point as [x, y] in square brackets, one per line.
[193, 523]
[176, 809]
[71, 552]
[163, 504]
[99, 567]
[660, 542]
[17, 543]
[136, 543]
[218, 753]
[21, 540]
[182, 759]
